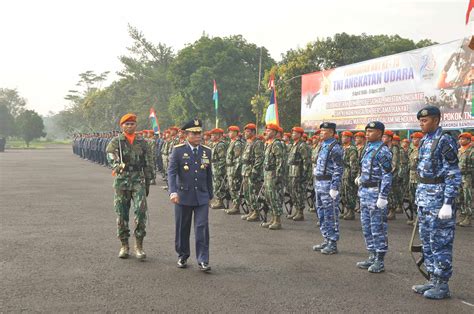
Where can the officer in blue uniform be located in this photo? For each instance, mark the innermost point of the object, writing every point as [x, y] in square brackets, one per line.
[374, 181]
[328, 176]
[439, 181]
[190, 186]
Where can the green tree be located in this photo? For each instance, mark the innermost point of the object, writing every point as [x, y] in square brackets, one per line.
[7, 122]
[30, 126]
[233, 63]
[11, 99]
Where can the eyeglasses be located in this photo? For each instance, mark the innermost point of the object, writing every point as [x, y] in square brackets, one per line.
[129, 123]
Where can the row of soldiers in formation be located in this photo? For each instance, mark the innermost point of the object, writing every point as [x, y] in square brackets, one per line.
[237, 163]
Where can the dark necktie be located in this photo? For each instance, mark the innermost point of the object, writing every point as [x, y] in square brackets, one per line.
[195, 151]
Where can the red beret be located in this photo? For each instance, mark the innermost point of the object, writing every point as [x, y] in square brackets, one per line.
[287, 134]
[174, 128]
[396, 138]
[465, 135]
[347, 133]
[317, 132]
[389, 133]
[315, 137]
[361, 134]
[272, 126]
[250, 126]
[297, 129]
[233, 128]
[417, 135]
[280, 129]
[472, 138]
[406, 140]
[128, 117]
[217, 131]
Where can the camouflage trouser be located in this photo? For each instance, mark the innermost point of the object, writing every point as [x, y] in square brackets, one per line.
[437, 237]
[328, 211]
[122, 203]
[273, 192]
[251, 189]
[348, 193]
[395, 197]
[234, 182]
[373, 220]
[465, 195]
[165, 166]
[218, 184]
[297, 189]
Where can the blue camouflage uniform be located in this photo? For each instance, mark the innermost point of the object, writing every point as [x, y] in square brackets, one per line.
[440, 179]
[328, 176]
[375, 182]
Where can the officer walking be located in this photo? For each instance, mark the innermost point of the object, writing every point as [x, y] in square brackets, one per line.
[328, 176]
[374, 183]
[190, 186]
[440, 179]
[131, 161]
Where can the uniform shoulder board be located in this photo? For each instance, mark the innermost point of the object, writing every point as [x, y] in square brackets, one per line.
[179, 145]
[206, 147]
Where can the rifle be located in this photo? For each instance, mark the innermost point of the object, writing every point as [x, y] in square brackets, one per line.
[417, 248]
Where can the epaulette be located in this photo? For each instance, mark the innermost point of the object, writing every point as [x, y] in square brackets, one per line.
[206, 147]
[179, 145]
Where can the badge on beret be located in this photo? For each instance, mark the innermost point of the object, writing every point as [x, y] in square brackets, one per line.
[196, 122]
[325, 124]
[372, 125]
[424, 112]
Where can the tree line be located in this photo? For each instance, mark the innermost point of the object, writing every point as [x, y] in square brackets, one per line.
[178, 84]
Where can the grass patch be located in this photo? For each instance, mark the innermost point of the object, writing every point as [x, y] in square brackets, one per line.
[37, 144]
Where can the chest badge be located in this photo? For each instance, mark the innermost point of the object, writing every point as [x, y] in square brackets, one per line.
[186, 168]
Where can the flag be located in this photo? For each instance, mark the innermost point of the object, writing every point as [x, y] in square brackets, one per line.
[271, 116]
[154, 121]
[215, 97]
[469, 9]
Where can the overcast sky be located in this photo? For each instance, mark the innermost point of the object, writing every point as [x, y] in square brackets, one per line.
[46, 44]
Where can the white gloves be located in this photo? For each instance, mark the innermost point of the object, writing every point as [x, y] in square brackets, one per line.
[357, 181]
[381, 203]
[333, 194]
[446, 212]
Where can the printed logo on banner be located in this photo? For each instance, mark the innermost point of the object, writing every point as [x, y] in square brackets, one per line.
[428, 65]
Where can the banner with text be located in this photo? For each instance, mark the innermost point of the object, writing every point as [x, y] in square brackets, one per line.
[393, 89]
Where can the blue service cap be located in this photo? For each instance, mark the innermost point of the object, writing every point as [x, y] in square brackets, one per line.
[194, 125]
[428, 111]
[377, 125]
[328, 125]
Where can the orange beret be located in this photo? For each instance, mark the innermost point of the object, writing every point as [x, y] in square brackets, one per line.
[128, 117]
[417, 135]
[233, 128]
[389, 133]
[250, 126]
[465, 135]
[406, 140]
[280, 129]
[297, 129]
[472, 138]
[347, 133]
[305, 135]
[287, 134]
[174, 128]
[315, 137]
[396, 138]
[217, 131]
[272, 126]
[361, 134]
[317, 132]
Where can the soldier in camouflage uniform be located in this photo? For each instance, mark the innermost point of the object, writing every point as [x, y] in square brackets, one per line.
[413, 177]
[351, 169]
[131, 161]
[359, 140]
[233, 169]
[164, 154]
[273, 175]
[466, 165]
[252, 174]
[219, 152]
[314, 156]
[299, 163]
[402, 175]
[395, 191]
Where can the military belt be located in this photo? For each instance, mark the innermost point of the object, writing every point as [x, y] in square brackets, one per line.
[133, 168]
[370, 184]
[437, 180]
[324, 177]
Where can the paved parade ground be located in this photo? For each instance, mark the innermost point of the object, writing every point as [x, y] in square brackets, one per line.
[59, 253]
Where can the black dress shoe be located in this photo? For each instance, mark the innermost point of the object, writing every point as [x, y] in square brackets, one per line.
[204, 267]
[182, 263]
